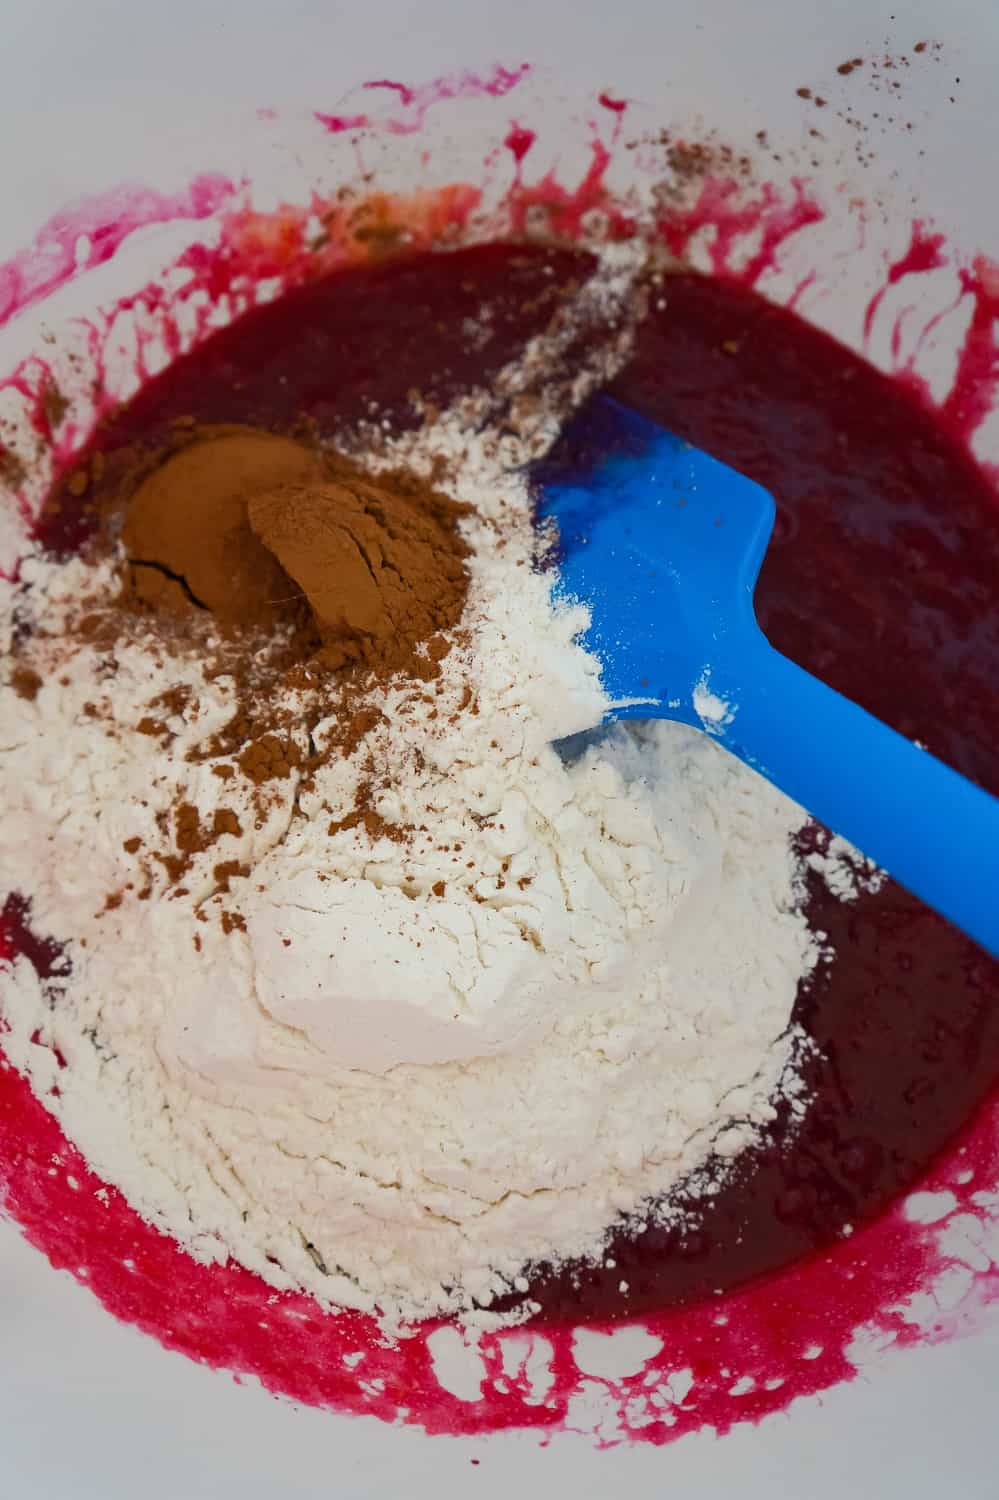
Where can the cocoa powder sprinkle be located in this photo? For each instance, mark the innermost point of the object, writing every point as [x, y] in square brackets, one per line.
[269, 758]
[26, 683]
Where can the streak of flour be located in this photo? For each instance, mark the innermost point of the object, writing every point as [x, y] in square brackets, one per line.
[415, 1057]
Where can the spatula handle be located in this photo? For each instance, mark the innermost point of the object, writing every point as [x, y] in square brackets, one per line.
[934, 831]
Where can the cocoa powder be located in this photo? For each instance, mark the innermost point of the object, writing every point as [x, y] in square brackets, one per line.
[26, 683]
[382, 570]
[269, 758]
[365, 815]
[297, 578]
[186, 531]
[263, 531]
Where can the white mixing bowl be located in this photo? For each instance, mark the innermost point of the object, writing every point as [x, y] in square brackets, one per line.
[93, 96]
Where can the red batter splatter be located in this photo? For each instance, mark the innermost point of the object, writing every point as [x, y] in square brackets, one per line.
[519, 141]
[86, 235]
[925, 253]
[417, 101]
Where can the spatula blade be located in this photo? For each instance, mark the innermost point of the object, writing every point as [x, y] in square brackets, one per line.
[663, 543]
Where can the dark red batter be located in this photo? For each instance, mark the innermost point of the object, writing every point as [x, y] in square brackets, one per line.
[877, 580]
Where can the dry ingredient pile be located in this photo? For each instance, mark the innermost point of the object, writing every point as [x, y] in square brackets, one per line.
[365, 986]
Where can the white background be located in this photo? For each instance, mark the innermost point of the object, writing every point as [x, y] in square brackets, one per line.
[95, 91]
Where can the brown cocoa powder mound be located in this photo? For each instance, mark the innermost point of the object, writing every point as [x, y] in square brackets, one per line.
[261, 530]
[186, 531]
[383, 569]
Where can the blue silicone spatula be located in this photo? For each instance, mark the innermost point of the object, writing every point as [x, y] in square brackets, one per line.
[664, 544]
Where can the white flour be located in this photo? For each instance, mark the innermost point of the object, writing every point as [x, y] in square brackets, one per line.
[413, 1065]
[845, 871]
